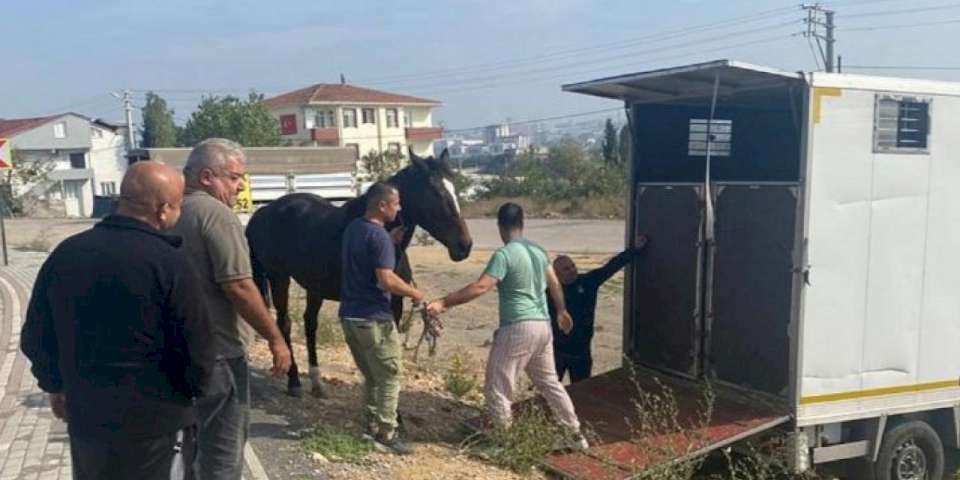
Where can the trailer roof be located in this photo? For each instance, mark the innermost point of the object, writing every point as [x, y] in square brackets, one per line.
[689, 81]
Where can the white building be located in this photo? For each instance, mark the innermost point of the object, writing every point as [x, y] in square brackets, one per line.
[83, 157]
[366, 120]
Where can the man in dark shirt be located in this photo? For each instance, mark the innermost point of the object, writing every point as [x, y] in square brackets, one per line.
[118, 338]
[572, 351]
[368, 280]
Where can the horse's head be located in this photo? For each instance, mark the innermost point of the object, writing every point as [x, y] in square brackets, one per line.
[428, 199]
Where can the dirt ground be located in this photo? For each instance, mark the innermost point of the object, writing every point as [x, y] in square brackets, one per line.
[433, 416]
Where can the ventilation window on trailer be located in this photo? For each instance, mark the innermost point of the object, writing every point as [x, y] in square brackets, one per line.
[901, 125]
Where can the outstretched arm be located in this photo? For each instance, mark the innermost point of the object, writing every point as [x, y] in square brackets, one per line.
[466, 294]
[602, 274]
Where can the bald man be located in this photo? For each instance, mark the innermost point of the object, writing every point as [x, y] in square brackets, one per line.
[119, 338]
[571, 350]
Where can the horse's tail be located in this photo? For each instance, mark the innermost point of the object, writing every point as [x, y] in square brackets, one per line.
[260, 278]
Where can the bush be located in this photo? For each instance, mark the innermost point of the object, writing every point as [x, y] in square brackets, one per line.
[522, 446]
[567, 172]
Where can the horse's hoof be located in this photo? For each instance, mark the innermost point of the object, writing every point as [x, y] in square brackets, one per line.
[295, 392]
[318, 392]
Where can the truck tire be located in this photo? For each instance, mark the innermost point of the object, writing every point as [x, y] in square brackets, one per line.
[909, 451]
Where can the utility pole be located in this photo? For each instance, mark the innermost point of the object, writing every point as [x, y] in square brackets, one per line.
[817, 18]
[127, 99]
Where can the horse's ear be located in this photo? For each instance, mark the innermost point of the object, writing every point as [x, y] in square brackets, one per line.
[417, 161]
[444, 156]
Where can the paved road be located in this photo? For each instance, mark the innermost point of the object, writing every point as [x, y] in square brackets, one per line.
[579, 236]
[571, 236]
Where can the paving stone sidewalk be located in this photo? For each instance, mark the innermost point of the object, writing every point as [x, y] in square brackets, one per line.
[33, 443]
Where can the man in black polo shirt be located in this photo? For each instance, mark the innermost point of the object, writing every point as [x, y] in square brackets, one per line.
[572, 351]
[118, 338]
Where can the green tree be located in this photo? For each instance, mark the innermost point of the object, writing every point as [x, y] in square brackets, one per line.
[245, 121]
[379, 166]
[626, 144]
[158, 127]
[611, 153]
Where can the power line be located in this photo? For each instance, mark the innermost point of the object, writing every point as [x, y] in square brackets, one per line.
[901, 25]
[900, 67]
[904, 11]
[481, 67]
[601, 60]
[650, 38]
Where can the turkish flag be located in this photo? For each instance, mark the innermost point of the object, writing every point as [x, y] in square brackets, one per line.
[288, 124]
[5, 161]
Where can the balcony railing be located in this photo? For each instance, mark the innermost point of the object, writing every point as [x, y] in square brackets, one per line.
[325, 135]
[424, 133]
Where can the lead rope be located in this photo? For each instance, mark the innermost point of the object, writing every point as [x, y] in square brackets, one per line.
[432, 330]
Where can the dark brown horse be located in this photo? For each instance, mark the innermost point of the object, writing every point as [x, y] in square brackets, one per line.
[298, 236]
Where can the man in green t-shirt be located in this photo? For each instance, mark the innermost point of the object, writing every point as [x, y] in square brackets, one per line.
[522, 273]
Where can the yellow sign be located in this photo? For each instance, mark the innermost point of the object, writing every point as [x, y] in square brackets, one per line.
[245, 197]
[6, 160]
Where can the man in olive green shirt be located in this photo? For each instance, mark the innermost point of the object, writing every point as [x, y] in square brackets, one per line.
[213, 240]
[522, 273]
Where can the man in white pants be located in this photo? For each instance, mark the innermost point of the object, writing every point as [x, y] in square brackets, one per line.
[522, 273]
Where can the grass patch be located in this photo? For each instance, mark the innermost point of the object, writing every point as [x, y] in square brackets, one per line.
[337, 446]
[459, 380]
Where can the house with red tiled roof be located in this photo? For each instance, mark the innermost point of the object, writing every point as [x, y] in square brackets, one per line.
[345, 115]
[81, 158]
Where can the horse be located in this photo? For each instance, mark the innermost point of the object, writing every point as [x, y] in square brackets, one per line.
[299, 235]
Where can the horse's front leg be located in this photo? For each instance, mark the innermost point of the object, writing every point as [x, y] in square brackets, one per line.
[310, 319]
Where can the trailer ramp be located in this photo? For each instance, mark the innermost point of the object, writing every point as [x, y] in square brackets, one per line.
[606, 405]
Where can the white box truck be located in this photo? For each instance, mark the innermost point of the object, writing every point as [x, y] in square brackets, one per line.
[804, 258]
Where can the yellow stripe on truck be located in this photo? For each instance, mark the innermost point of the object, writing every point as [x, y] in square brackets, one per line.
[879, 392]
[818, 94]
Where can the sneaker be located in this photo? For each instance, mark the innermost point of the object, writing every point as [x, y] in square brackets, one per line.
[575, 442]
[392, 443]
[371, 430]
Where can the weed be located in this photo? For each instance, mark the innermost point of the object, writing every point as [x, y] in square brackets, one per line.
[337, 446]
[523, 445]
[42, 242]
[329, 331]
[660, 431]
[458, 380]
[423, 238]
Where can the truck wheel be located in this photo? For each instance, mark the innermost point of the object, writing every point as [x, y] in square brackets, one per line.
[910, 451]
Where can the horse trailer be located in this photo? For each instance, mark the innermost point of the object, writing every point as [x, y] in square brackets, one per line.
[803, 259]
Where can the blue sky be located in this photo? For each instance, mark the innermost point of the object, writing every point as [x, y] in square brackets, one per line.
[484, 60]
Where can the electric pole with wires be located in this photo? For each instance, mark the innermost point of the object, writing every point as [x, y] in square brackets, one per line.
[820, 28]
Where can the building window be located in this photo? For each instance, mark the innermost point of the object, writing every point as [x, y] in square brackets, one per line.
[108, 188]
[369, 116]
[325, 119]
[349, 118]
[392, 118]
[78, 160]
[407, 121]
[60, 130]
[394, 147]
[721, 135]
[356, 149]
[901, 125]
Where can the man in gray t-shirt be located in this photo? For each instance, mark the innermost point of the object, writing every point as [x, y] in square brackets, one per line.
[213, 240]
